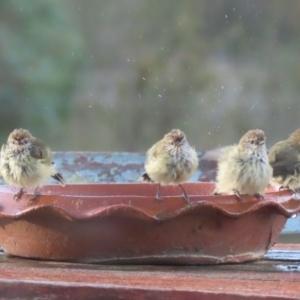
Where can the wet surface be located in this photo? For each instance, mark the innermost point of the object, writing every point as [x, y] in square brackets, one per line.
[273, 278]
[91, 167]
[282, 255]
[289, 268]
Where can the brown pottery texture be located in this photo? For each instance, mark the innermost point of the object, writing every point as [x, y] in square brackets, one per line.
[125, 223]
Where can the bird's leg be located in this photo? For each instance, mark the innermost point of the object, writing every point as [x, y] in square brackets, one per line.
[237, 193]
[185, 195]
[259, 196]
[35, 194]
[158, 195]
[19, 194]
[215, 192]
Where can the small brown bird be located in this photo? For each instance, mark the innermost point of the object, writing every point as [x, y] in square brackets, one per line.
[171, 161]
[244, 168]
[26, 162]
[284, 157]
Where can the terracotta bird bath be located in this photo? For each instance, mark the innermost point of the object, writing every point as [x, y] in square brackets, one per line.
[123, 223]
[104, 216]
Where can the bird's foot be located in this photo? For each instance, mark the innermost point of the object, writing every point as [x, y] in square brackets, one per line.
[259, 196]
[184, 194]
[282, 187]
[287, 188]
[35, 194]
[19, 194]
[215, 192]
[159, 197]
[158, 194]
[186, 197]
[297, 191]
[238, 195]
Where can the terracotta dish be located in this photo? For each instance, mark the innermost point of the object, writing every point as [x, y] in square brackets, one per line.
[125, 223]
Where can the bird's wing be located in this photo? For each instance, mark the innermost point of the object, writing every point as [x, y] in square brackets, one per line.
[40, 151]
[226, 152]
[284, 159]
[1, 157]
[2, 149]
[152, 152]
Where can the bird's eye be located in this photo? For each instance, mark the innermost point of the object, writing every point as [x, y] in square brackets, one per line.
[252, 141]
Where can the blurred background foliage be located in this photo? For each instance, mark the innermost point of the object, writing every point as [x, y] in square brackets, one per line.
[117, 75]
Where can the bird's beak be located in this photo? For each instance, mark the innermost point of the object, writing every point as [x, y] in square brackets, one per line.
[261, 143]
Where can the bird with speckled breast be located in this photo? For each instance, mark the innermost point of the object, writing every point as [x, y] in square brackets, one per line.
[170, 161]
[26, 162]
[244, 168]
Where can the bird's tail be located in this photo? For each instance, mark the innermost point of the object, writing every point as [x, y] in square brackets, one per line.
[145, 177]
[59, 178]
